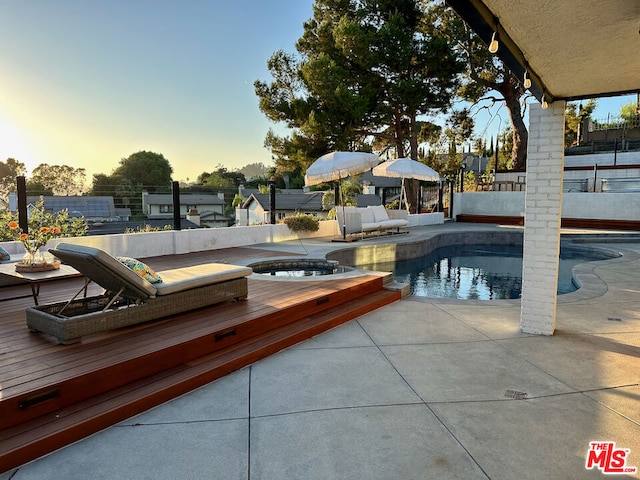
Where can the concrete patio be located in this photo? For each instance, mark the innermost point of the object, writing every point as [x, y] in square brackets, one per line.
[422, 388]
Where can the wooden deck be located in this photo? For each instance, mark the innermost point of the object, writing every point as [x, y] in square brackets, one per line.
[52, 395]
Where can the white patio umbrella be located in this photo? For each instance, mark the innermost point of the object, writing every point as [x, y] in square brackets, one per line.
[406, 168]
[335, 166]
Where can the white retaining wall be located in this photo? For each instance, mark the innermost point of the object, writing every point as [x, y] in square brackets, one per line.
[425, 219]
[171, 242]
[489, 203]
[610, 206]
[151, 244]
[594, 178]
[621, 158]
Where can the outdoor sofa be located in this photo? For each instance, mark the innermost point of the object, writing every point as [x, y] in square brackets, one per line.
[372, 219]
[130, 299]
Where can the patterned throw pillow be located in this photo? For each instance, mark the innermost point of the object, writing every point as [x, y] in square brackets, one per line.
[141, 269]
[4, 255]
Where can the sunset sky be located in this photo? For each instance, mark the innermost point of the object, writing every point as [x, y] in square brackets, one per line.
[86, 83]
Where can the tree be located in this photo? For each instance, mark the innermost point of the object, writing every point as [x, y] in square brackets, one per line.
[486, 76]
[128, 195]
[150, 170]
[254, 170]
[255, 181]
[60, 179]
[216, 180]
[574, 116]
[365, 72]
[630, 112]
[103, 185]
[9, 171]
[37, 189]
[221, 178]
[237, 200]
[328, 200]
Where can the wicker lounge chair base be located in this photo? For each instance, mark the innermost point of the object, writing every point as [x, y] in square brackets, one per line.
[135, 300]
[86, 316]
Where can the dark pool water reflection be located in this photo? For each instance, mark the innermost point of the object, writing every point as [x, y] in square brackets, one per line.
[482, 272]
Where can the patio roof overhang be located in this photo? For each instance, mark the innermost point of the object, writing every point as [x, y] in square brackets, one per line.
[572, 49]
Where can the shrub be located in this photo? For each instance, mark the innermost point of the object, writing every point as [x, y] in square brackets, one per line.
[43, 226]
[392, 205]
[146, 228]
[302, 223]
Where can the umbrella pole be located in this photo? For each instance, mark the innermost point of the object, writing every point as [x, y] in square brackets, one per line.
[406, 200]
[344, 219]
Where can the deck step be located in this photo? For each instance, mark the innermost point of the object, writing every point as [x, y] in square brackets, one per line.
[134, 355]
[41, 435]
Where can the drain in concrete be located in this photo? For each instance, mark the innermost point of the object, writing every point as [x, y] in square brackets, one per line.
[515, 394]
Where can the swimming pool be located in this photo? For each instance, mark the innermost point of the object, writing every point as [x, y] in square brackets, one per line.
[479, 271]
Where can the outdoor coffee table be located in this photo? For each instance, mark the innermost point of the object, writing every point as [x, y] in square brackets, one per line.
[9, 276]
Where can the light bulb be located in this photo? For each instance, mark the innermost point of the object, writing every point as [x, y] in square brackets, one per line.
[493, 46]
[544, 105]
[527, 80]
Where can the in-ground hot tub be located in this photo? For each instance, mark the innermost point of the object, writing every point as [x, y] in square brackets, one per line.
[298, 268]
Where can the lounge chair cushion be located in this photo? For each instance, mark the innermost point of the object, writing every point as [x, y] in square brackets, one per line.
[140, 268]
[105, 270]
[187, 278]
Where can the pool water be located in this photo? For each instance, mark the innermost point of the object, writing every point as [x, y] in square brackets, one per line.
[481, 272]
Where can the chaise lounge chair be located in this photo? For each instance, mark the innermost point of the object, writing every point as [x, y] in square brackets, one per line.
[129, 299]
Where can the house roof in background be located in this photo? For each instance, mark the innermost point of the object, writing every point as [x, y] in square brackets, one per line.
[213, 216]
[86, 206]
[572, 49]
[108, 228]
[370, 178]
[366, 200]
[191, 199]
[290, 201]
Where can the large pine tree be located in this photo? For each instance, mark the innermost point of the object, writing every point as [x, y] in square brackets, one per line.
[363, 73]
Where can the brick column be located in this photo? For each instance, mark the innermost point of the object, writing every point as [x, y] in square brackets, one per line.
[542, 211]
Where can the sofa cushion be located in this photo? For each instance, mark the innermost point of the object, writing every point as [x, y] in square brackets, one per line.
[366, 215]
[181, 279]
[379, 213]
[370, 227]
[340, 211]
[397, 223]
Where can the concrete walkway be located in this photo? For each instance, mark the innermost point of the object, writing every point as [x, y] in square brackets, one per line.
[421, 389]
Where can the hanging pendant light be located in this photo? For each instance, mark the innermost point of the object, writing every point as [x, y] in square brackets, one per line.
[493, 46]
[527, 80]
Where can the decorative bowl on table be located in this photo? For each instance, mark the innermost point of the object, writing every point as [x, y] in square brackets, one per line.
[37, 267]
